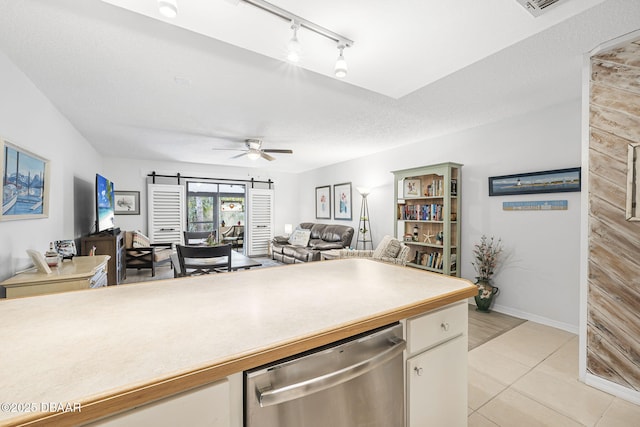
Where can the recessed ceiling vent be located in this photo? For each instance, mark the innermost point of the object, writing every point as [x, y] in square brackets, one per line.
[537, 7]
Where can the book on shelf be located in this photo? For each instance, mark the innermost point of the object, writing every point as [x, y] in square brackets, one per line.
[429, 259]
[435, 189]
[431, 212]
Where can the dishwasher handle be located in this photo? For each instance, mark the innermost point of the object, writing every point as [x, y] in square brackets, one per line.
[323, 382]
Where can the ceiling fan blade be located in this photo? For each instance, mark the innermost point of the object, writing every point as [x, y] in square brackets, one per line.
[266, 156]
[275, 150]
[239, 155]
[227, 149]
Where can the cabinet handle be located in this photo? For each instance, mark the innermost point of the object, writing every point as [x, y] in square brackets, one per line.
[418, 371]
[444, 326]
[269, 397]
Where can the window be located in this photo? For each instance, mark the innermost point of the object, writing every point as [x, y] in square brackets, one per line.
[211, 205]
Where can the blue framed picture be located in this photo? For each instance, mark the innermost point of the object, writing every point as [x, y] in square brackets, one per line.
[552, 181]
[342, 201]
[25, 184]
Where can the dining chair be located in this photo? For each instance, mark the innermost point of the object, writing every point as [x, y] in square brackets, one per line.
[197, 260]
[198, 237]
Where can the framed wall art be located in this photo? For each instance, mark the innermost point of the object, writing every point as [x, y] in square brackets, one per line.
[25, 184]
[342, 201]
[411, 187]
[323, 202]
[127, 202]
[552, 181]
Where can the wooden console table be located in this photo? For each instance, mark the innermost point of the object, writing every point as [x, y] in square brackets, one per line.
[82, 272]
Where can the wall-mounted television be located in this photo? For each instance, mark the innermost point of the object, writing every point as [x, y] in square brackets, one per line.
[105, 202]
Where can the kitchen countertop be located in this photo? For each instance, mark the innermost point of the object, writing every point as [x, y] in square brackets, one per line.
[104, 348]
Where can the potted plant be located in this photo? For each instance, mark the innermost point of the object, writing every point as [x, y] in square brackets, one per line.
[485, 255]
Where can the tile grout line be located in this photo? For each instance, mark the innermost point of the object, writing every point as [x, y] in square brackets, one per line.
[530, 369]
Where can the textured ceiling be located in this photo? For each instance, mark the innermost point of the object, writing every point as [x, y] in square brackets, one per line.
[138, 87]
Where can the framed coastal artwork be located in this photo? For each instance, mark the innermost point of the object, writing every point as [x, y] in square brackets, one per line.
[25, 183]
[323, 202]
[342, 201]
[551, 181]
[127, 203]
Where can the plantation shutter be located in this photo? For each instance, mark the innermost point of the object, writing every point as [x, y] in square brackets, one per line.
[166, 213]
[260, 211]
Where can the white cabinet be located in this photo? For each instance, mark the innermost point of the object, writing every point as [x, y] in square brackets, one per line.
[436, 368]
[207, 406]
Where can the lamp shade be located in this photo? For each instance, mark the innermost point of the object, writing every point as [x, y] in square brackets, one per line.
[341, 67]
[288, 229]
[168, 8]
[364, 191]
[294, 49]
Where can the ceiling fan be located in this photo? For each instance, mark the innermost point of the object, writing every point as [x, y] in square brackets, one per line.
[254, 150]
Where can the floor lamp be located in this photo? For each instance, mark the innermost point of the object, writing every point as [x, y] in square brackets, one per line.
[364, 226]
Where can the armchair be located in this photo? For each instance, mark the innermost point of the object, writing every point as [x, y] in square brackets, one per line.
[140, 253]
[199, 237]
[389, 250]
[233, 236]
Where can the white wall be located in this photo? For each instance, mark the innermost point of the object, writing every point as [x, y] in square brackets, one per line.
[30, 121]
[540, 275]
[539, 278]
[131, 175]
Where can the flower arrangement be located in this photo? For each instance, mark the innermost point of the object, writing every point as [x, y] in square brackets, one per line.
[211, 239]
[485, 261]
[485, 255]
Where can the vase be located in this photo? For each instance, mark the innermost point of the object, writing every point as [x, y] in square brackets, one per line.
[484, 299]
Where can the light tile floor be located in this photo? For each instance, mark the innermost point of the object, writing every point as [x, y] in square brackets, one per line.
[528, 376]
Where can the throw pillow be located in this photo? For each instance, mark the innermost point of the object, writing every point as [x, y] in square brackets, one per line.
[139, 240]
[300, 237]
[393, 249]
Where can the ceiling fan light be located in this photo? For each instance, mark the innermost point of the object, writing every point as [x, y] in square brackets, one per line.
[341, 65]
[253, 155]
[168, 8]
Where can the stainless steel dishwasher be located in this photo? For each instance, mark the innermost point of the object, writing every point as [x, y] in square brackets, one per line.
[358, 382]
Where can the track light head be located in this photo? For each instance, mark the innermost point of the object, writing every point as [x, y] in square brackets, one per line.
[168, 8]
[341, 65]
[294, 48]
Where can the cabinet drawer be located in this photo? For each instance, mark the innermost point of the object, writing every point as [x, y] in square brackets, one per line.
[435, 327]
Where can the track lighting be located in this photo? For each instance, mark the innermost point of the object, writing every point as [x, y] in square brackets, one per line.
[293, 47]
[168, 8]
[341, 65]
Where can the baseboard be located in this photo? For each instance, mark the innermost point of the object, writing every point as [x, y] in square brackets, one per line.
[533, 317]
[612, 388]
